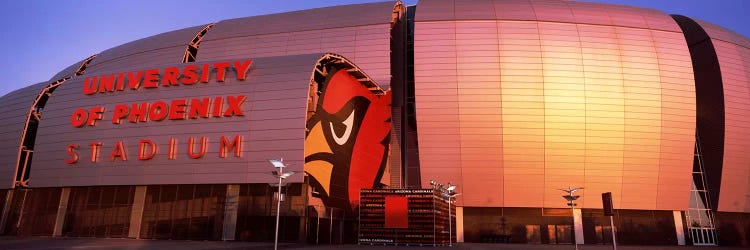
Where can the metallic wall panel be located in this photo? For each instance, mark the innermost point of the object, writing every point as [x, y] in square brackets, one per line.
[359, 32]
[733, 52]
[512, 107]
[69, 71]
[272, 126]
[15, 108]
[160, 56]
[719, 33]
[546, 10]
[165, 48]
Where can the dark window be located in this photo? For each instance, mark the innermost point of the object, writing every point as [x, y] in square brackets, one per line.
[99, 211]
[194, 212]
[256, 217]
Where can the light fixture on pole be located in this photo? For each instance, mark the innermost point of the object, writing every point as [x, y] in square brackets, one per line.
[450, 195]
[279, 164]
[571, 202]
[449, 192]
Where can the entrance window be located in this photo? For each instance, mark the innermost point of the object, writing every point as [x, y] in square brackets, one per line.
[603, 234]
[533, 234]
[560, 234]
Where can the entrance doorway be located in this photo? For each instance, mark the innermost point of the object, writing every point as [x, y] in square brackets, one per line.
[560, 234]
[603, 234]
[533, 234]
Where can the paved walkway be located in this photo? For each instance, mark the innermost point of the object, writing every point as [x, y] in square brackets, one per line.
[49, 243]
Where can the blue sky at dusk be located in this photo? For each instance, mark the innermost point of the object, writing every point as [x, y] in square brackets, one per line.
[41, 38]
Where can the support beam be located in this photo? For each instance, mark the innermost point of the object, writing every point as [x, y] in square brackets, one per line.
[6, 210]
[230, 212]
[136, 213]
[62, 208]
[459, 224]
[578, 217]
[679, 227]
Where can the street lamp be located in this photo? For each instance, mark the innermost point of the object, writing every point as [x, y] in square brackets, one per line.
[279, 164]
[571, 202]
[447, 191]
[450, 195]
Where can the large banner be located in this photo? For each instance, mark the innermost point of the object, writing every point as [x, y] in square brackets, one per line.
[346, 147]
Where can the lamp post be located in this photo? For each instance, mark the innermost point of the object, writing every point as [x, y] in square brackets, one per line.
[447, 191]
[450, 195]
[279, 164]
[571, 202]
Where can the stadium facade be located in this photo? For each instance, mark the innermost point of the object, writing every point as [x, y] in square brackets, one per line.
[168, 137]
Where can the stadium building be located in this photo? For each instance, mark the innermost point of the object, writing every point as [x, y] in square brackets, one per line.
[168, 137]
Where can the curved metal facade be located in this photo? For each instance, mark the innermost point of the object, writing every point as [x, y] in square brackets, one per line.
[362, 37]
[161, 49]
[272, 100]
[733, 53]
[15, 108]
[518, 99]
[360, 32]
[68, 71]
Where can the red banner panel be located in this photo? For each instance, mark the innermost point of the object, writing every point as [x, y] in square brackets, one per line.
[396, 212]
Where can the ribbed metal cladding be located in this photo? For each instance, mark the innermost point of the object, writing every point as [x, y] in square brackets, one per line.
[69, 71]
[15, 108]
[733, 52]
[272, 125]
[165, 48]
[517, 99]
[359, 32]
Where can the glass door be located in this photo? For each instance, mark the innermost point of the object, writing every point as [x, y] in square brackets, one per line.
[560, 234]
[533, 234]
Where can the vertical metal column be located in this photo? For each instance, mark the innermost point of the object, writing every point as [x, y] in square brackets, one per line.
[21, 212]
[62, 207]
[136, 213]
[678, 226]
[6, 210]
[614, 233]
[459, 224]
[231, 206]
[578, 226]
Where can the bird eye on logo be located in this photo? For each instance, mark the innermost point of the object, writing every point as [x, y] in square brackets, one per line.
[346, 146]
[348, 122]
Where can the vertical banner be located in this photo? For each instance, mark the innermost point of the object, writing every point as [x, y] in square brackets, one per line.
[347, 140]
[396, 212]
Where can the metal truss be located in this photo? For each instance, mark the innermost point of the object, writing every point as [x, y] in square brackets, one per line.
[28, 136]
[191, 51]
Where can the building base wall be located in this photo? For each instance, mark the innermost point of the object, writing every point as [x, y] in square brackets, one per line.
[733, 229]
[103, 211]
[181, 212]
[32, 212]
[555, 226]
[198, 211]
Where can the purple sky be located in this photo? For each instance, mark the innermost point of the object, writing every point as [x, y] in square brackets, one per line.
[40, 38]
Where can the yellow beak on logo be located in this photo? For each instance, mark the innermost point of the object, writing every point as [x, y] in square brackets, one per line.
[320, 170]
